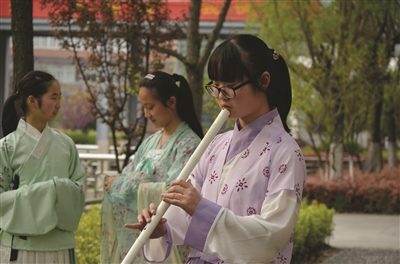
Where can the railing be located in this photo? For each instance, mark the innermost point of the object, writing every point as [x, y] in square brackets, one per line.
[97, 166]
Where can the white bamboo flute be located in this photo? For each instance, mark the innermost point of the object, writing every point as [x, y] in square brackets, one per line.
[163, 207]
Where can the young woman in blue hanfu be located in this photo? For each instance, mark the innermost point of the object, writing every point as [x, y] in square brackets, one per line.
[41, 195]
[167, 102]
[242, 200]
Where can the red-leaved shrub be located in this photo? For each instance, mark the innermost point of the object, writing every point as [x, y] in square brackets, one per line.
[377, 192]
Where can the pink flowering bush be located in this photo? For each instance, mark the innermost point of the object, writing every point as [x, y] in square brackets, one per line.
[76, 111]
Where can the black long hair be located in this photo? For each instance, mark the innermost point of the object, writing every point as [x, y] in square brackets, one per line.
[246, 56]
[164, 85]
[35, 83]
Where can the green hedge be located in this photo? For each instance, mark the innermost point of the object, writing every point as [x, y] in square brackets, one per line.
[314, 224]
[89, 137]
[80, 137]
[88, 237]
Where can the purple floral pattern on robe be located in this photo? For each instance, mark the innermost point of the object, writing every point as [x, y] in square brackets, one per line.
[246, 154]
[225, 189]
[213, 177]
[251, 211]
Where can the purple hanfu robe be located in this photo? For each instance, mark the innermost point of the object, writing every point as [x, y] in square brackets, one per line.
[251, 181]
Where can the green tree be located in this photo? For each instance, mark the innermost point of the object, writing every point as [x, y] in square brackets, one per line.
[327, 46]
[382, 35]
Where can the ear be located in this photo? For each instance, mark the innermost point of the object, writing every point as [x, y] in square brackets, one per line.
[265, 80]
[32, 102]
[172, 102]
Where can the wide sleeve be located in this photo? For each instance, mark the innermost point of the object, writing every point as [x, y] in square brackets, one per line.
[5, 168]
[159, 249]
[244, 239]
[70, 200]
[25, 211]
[39, 208]
[69, 205]
[76, 172]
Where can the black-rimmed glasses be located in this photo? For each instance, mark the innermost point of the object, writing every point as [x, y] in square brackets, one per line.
[228, 92]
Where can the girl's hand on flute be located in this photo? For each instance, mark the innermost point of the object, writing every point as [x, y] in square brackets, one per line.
[182, 194]
[145, 218]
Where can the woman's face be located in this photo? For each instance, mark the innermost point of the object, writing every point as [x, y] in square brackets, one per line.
[154, 110]
[247, 105]
[50, 104]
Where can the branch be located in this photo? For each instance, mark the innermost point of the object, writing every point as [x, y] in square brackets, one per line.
[169, 52]
[214, 35]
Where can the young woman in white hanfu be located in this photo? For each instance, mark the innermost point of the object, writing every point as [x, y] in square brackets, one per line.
[242, 200]
[167, 102]
[41, 195]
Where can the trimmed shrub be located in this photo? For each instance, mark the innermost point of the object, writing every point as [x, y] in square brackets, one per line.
[376, 193]
[314, 225]
[80, 137]
[88, 237]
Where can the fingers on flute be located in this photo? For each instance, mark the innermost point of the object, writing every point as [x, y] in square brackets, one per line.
[169, 197]
[134, 226]
[146, 215]
[178, 183]
[153, 208]
[178, 189]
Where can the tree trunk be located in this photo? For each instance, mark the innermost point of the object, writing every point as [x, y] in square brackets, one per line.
[195, 78]
[194, 61]
[351, 167]
[22, 38]
[374, 159]
[336, 165]
[391, 128]
[336, 147]
[392, 158]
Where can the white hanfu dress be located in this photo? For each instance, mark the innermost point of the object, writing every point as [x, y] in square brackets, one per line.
[251, 181]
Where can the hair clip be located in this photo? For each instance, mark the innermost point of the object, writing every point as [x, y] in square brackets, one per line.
[149, 76]
[38, 78]
[275, 55]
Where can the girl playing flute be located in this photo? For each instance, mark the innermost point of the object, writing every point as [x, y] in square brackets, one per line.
[242, 200]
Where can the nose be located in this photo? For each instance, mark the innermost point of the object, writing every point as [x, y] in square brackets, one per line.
[58, 104]
[221, 96]
[146, 113]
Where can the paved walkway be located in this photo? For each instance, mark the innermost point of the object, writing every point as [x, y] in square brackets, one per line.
[366, 231]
